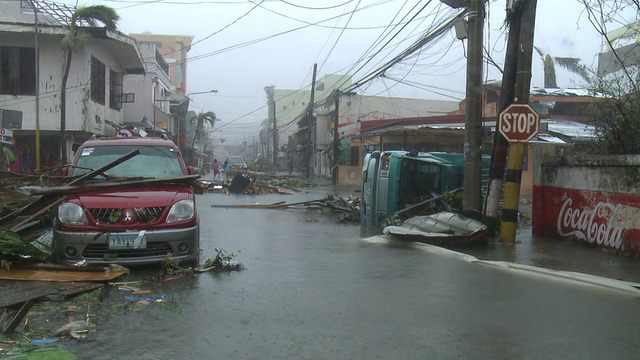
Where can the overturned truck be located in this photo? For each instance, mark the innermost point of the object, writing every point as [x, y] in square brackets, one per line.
[396, 180]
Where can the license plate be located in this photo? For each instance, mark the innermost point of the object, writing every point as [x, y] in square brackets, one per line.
[127, 242]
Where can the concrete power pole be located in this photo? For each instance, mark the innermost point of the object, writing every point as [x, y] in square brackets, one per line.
[275, 134]
[311, 146]
[500, 144]
[472, 199]
[336, 140]
[271, 122]
[509, 222]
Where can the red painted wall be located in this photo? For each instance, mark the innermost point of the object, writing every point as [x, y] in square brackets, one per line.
[592, 200]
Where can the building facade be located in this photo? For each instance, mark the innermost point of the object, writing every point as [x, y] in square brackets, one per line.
[153, 92]
[94, 91]
[173, 49]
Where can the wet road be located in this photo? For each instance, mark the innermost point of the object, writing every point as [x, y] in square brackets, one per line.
[314, 289]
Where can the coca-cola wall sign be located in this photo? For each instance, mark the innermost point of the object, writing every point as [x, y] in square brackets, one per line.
[605, 219]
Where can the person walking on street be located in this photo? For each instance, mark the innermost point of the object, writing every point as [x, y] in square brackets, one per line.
[7, 157]
[227, 168]
[216, 169]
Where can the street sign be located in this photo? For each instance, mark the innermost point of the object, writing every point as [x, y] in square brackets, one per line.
[124, 133]
[519, 123]
[6, 136]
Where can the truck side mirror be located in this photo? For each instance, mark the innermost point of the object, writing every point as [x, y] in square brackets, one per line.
[191, 170]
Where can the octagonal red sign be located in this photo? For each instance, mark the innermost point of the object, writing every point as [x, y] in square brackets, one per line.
[519, 123]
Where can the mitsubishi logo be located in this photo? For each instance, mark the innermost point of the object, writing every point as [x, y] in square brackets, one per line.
[128, 216]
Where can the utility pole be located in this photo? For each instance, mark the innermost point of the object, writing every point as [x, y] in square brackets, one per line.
[516, 150]
[275, 134]
[271, 119]
[471, 200]
[500, 144]
[37, 56]
[336, 140]
[312, 139]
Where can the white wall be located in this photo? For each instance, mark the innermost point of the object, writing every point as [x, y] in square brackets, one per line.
[82, 113]
[141, 85]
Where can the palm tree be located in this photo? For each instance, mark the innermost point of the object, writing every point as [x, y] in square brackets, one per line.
[200, 118]
[76, 35]
[569, 63]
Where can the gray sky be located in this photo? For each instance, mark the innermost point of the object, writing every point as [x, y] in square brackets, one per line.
[240, 46]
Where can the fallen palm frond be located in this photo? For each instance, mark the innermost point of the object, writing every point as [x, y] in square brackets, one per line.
[14, 245]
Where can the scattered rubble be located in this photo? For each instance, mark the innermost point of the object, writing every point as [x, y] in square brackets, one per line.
[259, 184]
[28, 279]
[347, 208]
[29, 322]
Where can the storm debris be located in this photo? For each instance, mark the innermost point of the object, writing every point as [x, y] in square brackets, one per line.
[347, 208]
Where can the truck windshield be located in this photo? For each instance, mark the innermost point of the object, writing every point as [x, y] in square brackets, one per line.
[152, 162]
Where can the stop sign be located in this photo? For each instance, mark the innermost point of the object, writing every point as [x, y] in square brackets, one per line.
[519, 123]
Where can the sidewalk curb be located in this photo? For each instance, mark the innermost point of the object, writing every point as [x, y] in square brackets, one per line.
[568, 276]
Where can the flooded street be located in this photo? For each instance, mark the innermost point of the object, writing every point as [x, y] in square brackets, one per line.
[315, 289]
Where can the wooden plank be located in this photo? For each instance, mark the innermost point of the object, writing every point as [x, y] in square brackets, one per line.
[72, 189]
[306, 203]
[18, 318]
[98, 171]
[37, 204]
[40, 212]
[251, 206]
[64, 276]
[67, 291]
[17, 292]
[422, 204]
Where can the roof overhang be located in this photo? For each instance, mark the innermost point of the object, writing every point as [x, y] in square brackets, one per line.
[125, 47]
[577, 131]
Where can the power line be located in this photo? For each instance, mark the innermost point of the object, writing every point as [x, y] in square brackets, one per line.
[412, 49]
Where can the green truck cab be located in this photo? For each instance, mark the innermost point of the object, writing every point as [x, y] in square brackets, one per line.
[395, 180]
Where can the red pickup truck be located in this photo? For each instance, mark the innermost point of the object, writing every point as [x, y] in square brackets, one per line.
[134, 224]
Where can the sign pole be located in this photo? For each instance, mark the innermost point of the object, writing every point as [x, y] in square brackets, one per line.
[513, 175]
[509, 223]
[518, 123]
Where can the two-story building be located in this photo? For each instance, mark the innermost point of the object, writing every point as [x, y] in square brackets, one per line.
[167, 58]
[32, 60]
[151, 108]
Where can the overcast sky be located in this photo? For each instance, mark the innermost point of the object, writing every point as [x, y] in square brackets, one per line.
[240, 46]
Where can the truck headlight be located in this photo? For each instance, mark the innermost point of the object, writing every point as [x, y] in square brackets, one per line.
[71, 214]
[183, 210]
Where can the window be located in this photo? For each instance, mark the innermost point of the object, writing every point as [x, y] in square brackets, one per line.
[115, 90]
[17, 71]
[152, 162]
[355, 156]
[98, 81]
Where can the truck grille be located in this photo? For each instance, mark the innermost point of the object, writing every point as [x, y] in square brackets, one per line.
[98, 251]
[112, 216]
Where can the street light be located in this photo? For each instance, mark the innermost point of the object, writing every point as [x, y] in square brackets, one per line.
[212, 91]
